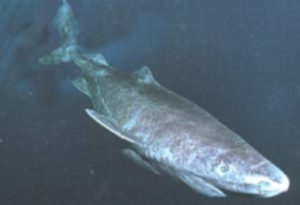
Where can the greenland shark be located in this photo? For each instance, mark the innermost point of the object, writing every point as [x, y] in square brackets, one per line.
[167, 133]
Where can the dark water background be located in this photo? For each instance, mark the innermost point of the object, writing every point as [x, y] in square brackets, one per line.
[240, 60]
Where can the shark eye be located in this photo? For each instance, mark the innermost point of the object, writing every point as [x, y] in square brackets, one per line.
[224, 168]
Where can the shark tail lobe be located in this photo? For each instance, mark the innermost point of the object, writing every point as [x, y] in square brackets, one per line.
[68, 29]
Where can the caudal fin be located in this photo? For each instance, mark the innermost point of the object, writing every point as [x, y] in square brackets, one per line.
[67, 26]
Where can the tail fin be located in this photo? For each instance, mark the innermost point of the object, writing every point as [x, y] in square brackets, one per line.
[67, 27]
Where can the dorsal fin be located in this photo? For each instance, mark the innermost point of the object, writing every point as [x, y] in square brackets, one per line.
[144, 75]
[97, 58]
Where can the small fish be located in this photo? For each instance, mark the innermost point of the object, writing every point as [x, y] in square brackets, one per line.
[168, 134]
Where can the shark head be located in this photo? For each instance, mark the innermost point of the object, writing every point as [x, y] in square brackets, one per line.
[248, 172]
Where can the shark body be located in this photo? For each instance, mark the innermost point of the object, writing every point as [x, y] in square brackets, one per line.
[169, 134]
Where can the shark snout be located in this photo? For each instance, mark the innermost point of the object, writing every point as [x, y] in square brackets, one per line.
[278, 184]
[271, 181]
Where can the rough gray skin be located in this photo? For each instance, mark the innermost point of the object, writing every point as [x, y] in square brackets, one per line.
[169, 134]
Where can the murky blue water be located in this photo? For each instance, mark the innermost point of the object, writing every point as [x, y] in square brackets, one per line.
[240, 60]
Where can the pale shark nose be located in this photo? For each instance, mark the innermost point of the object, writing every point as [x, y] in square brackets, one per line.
[284, 183]
[273, 180]
[281, 181]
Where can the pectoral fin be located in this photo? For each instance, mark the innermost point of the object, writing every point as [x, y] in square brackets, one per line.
[110, 125]
[200, 185]
[139, 160]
